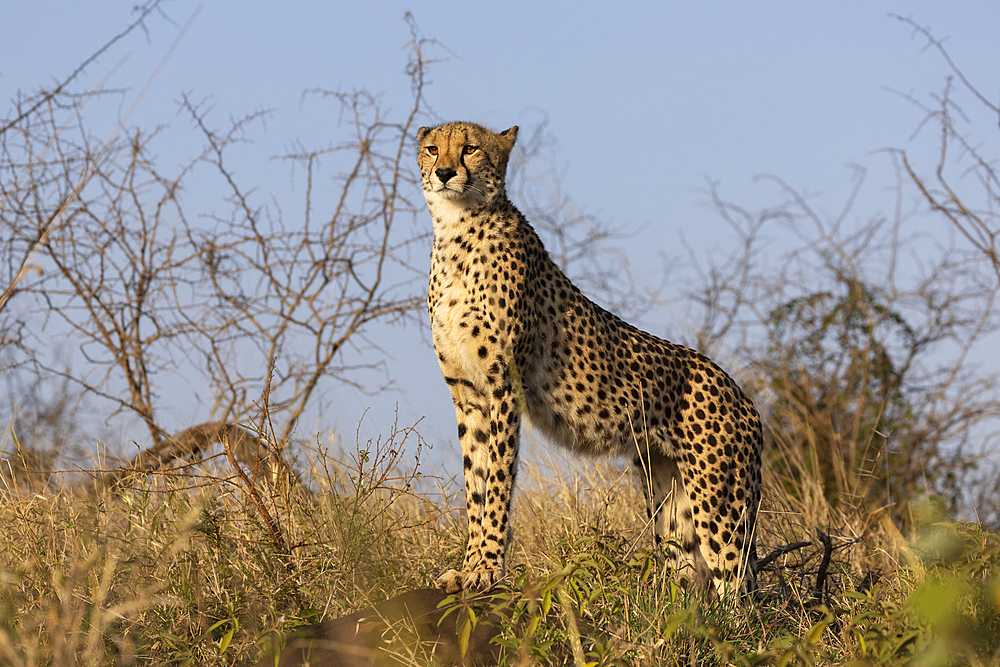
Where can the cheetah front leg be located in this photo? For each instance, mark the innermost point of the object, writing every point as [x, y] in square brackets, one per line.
[489, 428]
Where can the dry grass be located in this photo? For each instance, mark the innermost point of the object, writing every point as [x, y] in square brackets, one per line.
[182, 570]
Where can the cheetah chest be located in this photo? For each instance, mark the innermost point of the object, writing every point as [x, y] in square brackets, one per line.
[459, 332]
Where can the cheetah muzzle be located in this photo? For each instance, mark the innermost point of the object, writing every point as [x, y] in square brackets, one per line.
[513, 335]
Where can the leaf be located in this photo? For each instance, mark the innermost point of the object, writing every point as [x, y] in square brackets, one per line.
[817, 631]
[463, 637]
[451, 605]
[217, 624]
[226, 639]
[532, 625]
[647, 569]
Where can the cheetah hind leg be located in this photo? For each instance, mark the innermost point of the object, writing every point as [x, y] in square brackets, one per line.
[668, 507]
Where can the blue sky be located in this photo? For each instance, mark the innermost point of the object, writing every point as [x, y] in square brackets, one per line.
[647, 100]
[680, 90]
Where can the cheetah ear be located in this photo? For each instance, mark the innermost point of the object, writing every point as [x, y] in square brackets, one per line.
[508, 137]
[423, 132]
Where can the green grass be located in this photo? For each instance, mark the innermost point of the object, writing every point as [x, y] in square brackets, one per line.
[188, 570]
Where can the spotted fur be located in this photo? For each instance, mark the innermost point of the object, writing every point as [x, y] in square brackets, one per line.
[515, 337]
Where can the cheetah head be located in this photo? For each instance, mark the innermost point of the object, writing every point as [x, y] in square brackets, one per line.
[463, 165]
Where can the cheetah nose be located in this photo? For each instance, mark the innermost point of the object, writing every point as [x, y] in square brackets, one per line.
[445, 174]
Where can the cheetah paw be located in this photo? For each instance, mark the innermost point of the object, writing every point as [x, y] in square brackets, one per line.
[454, 581]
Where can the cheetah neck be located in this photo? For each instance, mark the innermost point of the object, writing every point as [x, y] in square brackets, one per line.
[451, 216]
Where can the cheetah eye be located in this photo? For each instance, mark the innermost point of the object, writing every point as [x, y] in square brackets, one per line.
[432, 150]
[469, 150]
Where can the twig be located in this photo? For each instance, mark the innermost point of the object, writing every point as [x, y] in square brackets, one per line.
[88, 172]
[251, 493]
[824, 566]
[779, 552]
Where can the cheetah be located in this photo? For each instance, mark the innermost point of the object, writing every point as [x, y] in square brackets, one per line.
[514, 337]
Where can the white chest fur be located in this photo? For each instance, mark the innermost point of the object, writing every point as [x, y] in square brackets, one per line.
[457, 317]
